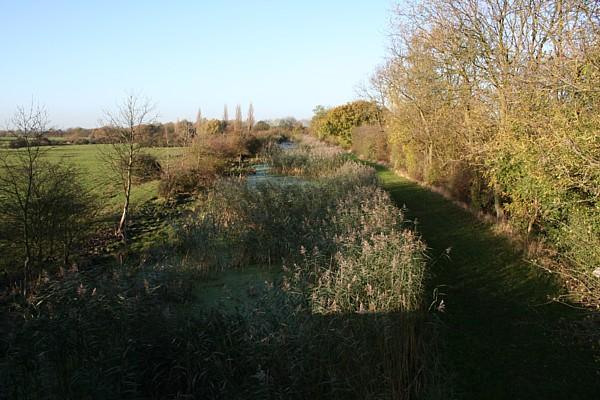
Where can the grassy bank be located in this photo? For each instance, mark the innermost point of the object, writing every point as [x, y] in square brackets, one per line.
[506, 336]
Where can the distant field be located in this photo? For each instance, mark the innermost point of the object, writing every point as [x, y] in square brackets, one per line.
[97, 177]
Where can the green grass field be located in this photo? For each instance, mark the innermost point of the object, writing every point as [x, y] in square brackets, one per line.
[100, 180]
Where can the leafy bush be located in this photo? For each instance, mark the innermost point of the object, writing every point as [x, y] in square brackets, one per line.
[215, 126]
[185, 181]
[509, 149]
[337, 123]
[147, 168]
[81, 141]
[209, 158]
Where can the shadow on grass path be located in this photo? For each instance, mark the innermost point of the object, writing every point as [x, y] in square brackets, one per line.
[502, 338]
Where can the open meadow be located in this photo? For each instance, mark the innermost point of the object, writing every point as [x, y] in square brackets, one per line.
[97, 176]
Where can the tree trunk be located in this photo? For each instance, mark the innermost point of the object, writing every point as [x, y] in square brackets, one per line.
[428, 171]
[123, 222]
[498, 204]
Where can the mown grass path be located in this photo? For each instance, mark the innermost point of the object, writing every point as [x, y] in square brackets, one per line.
[503, 338]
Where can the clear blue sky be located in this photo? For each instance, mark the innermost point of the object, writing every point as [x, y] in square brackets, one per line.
[80, 57]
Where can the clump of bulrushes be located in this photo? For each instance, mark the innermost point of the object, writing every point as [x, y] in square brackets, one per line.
[378, 266]
[238, 224]
[355, 264]
[307, 160]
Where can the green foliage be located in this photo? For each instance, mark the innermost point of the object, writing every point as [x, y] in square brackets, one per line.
[337, 123]
[486, 284]
[289, 124]
[577, 235]
[21, 142]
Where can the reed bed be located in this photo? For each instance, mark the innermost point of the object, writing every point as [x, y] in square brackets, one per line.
[346, 320]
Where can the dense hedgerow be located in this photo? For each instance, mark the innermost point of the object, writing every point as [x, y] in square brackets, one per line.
[517, 135]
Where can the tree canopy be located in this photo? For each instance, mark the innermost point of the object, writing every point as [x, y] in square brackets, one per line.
[337, 123]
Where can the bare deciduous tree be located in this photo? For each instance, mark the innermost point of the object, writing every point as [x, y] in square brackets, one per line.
[19, 172]
[124, 152]
[375, 91]
[186, 130]
[44, 209]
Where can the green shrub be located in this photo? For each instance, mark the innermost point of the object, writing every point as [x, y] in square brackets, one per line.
[337, 123]
[22, 142]
[147, 168]
[45, 213]
[185, 182]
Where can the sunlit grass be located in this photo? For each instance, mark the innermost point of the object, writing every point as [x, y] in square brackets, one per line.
[97, 176]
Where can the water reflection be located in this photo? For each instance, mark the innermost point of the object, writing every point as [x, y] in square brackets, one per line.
[262, 171]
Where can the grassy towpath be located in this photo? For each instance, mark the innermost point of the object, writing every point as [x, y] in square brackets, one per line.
[503, 338]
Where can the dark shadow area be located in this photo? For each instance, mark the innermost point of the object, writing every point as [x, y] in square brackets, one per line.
[505, 337]
[273, 347]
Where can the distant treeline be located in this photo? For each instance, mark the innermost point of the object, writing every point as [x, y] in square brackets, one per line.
[180, 133]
